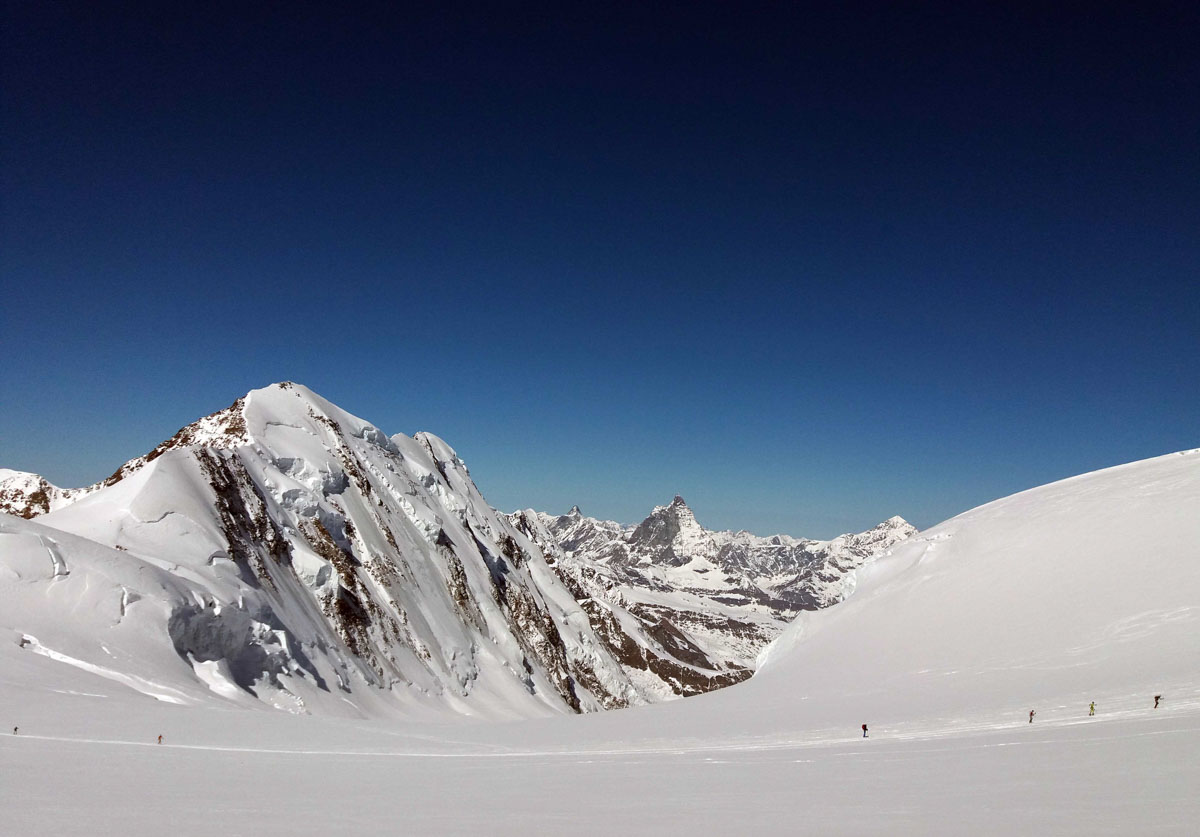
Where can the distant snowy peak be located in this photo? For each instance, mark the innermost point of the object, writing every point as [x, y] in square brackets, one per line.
[671, 535]
[720, 597]
[29, 495]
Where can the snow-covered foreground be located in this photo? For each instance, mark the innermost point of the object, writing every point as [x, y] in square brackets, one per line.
[1112, 775]
[1083, 590]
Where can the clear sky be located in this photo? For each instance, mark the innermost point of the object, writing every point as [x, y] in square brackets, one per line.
[807, 268]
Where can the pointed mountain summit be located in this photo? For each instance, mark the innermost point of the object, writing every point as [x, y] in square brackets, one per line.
[286, 552]
[670, 534]
[28, 495]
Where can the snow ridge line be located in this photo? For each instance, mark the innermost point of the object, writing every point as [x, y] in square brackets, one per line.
[138, 684]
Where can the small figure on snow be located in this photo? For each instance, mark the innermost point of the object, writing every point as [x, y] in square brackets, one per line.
[1092, 708]
[864, 730]
[15, 729]
[160, 739]
[1157, 698]
[1031, 714]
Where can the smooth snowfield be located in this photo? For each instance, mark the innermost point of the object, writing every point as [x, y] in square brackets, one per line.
[1106, 778]
[1087, 589]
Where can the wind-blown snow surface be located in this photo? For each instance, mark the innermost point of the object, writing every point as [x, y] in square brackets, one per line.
[1086, 589]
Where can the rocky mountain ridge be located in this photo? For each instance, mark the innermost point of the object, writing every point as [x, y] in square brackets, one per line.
[283, 552]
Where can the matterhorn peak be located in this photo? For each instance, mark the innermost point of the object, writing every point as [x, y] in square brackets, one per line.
[667, 523]
[575, 512]
[676, 508]
[680, 510]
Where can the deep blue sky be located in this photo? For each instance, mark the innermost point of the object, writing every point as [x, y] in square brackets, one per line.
[808, 268]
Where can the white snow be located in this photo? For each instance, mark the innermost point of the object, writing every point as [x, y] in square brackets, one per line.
[1083, 590]
[138, 684]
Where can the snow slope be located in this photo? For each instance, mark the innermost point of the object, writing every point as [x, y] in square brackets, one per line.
[1086, 589]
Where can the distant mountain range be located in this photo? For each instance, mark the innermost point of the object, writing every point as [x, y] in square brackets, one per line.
[283, 552]
[692, 607]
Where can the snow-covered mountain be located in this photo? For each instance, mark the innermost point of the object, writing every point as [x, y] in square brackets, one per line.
[710, 600]
[285, 550]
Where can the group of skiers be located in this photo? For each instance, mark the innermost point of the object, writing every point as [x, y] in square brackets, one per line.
[1091, 708]
[1032, 712]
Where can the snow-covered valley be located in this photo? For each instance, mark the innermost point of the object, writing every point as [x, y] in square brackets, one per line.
[1079, 591]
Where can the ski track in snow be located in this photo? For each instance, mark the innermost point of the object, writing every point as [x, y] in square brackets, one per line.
[1038, 737]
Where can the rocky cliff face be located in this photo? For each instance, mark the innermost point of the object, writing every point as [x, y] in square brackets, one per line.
[702, 604]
